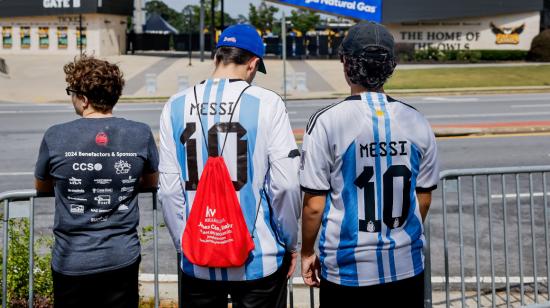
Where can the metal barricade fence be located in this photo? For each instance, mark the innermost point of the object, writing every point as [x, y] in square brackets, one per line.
[9, 197]
[488, 233]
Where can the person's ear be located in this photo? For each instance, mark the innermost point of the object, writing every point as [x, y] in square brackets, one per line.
[253, 64]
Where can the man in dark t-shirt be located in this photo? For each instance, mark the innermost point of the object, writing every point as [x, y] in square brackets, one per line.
[96, 166]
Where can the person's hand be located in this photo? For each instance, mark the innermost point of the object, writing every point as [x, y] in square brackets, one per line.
[310, 269]
[293, 258]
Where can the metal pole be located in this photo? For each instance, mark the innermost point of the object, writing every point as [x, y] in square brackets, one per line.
[222, 26]
[5, 221]
[476, 241]
[545, 198]
[461, 240]
[212, 29]
[180, 301]
[520, 246]
[201, 30]
[533, 242]
[156, 249]
[445, 248]
[190, 40]
[291, 293]
[80, 33]
[505, 218]
[428, 265]
[489, 203]
[31, 252]
[283, 37]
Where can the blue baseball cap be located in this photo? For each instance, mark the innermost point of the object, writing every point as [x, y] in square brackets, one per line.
[245, 37]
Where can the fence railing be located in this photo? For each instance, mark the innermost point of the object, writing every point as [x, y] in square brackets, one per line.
[30, 194]
[489, 233]
[485, 239]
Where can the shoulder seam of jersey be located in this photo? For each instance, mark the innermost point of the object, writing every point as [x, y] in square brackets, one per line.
[313, 119]
[391, 100]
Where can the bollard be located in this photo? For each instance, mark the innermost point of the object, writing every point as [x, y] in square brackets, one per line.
[151, 83]
[183, 82]
[301, 81]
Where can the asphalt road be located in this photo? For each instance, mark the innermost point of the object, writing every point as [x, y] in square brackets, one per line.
[22, 127]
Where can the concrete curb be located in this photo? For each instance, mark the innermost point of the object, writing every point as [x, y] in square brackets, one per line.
[480, 131]
[403, 92]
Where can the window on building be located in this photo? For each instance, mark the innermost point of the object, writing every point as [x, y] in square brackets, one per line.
[25, 37]
[62, 38]
[44, 37]
[81, 37]
[7, 37]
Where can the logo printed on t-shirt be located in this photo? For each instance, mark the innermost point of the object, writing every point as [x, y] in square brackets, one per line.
[75, 181]
[122, 167]
[101, 139]
[87, 167]
[77, 209]
[103, 199]
[103, 181]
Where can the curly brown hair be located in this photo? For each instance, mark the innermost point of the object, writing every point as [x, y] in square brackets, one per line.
[100, 81]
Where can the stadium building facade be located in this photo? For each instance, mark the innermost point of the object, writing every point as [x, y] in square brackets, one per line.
[63, 27]
[446, 24]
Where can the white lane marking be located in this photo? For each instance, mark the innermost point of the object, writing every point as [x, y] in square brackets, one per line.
[147, 277]
[15, 173]
[531, 106]
[486, 115]
[451, 99]
[72, 110]
[521, 195]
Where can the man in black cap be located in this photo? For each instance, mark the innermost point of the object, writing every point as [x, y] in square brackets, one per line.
[369, 164]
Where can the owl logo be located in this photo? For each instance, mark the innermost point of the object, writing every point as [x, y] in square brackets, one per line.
[507, 35]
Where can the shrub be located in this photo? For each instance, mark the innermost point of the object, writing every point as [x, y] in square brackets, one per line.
[18, 267]
[540, 47]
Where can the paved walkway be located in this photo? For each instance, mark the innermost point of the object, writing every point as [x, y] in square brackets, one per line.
[39, 79]
[168, 291]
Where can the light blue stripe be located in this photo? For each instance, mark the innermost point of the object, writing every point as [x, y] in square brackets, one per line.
[323, 237]
[413, 226]
[204, 119]
[345, 255]
[248, 117]
[382, 100]
[380, 243]
[219, 97]
[269, 221]
[177, 116]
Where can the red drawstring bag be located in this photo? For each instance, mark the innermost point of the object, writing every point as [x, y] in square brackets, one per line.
[216, 234]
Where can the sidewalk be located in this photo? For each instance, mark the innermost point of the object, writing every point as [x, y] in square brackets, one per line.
[37, 79]
[168, 294]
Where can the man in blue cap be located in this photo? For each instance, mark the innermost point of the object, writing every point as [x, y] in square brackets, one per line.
[249, 127]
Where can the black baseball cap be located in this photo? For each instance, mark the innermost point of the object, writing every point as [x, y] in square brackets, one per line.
[367, 34]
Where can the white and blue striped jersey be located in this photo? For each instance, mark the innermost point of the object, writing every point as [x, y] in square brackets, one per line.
[369, 154]
[262, 158]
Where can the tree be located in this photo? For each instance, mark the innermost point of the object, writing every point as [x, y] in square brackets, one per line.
[303, 20]
[169, 14]
[228, 20]
[263, 17]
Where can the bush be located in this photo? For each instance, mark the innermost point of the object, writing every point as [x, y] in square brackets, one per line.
[471, 56]
[18, 267]
[503, 55]
[540, 47]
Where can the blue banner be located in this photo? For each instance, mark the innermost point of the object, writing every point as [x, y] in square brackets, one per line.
[356, 9]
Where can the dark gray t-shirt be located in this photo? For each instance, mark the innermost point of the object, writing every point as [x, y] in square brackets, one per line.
[96, 165]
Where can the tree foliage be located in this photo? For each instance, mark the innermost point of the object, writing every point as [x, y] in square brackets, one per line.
[169, 14]
[195, 18]
[263, 17]
[303, 20]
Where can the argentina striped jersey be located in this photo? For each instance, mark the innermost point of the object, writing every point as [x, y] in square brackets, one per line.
[369, 154]
[262, 159]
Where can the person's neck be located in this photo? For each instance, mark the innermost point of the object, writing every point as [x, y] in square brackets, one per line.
[94, 114]
[229, 72]
[357, 89]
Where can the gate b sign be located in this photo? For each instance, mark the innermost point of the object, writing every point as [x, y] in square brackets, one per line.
[356, 9]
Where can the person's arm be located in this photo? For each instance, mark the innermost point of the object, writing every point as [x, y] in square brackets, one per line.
[171, 194]
[283, 186]
[312, 215]
[44, 186]
[149, 178]
[315, 182]
[424, 200]
[43, 183]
